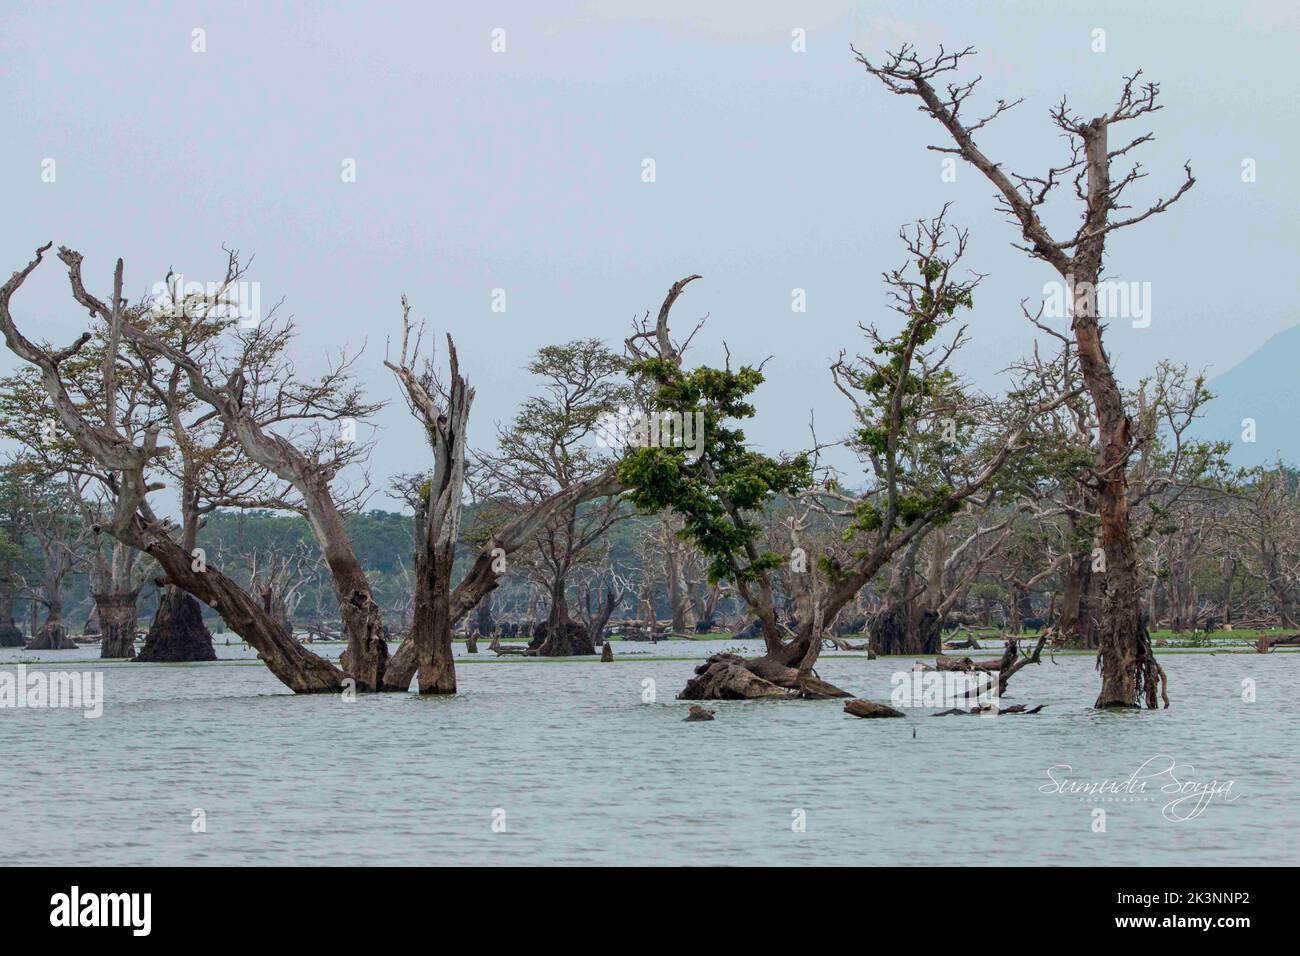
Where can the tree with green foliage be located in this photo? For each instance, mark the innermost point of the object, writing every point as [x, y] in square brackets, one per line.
[900, 392]
[549, 447]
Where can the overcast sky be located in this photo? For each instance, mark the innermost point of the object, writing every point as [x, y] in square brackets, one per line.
[522, 170]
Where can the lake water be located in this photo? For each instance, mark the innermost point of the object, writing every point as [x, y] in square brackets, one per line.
[581, 771]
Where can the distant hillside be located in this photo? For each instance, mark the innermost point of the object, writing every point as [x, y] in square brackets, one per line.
[1266, 388]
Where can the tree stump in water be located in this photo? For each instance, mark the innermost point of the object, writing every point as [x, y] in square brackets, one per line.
[607, 654]
[52, 637]
[91, 628]
[869, 708]
[569, 639]
[699, 713]
[731, 677]
[177, 632]
[471, 643]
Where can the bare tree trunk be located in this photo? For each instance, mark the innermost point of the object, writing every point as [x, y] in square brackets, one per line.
[117, 618]
[1129, 672]
[1081, 602]
[431, 623]
[561, 636]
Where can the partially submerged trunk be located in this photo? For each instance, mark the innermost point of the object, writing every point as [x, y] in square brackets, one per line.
[560, 635]
[1081, 603]
[53, 635]
[905, 628]
[117, 617]
[177, 633]
[437, 524]
[483, 623]
[91, 627]
[431, 621]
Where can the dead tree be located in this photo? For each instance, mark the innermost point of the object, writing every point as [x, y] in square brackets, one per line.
[133, 521]
[1129, 671]
[206, 465]
[443, 409]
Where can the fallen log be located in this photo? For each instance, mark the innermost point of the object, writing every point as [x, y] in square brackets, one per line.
[501, 650]
[842, 645]
[869, 708]
[1266, 643]
[986, 709]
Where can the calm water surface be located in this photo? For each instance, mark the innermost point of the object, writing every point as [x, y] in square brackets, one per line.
[586, 773]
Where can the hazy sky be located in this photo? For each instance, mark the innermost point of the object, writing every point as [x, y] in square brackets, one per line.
[522, 170]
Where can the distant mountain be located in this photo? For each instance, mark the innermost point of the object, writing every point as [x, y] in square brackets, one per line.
[1264, 387]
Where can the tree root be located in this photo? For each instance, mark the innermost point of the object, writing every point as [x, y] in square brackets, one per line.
[732, 677]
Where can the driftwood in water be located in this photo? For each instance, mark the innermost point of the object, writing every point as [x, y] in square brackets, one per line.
[842, 645]
[989, 709]
[697, 712]
[1266, 643]
[868, 708]
[732, 677]
[968, 643]
[501, 650]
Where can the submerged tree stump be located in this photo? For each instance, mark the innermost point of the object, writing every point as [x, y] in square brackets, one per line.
[569, 639]
[607, 654]
[699, 713]
[53, 636]
[177, 633]
[732, 677]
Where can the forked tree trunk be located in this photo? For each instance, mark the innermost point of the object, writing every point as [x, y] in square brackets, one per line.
[599, 618]
[177, 633]
[117, 617]
[437, 527]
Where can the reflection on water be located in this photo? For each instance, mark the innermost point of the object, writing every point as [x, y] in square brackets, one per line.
[586, 773]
